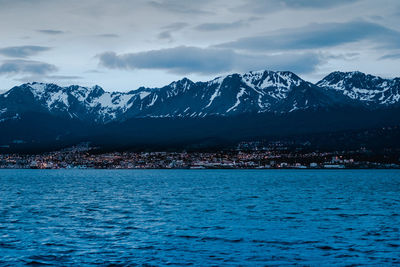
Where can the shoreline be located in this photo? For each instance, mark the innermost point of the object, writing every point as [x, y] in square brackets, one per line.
[201, 169]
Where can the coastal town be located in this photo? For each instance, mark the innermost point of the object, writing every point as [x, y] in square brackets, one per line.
[245, 156]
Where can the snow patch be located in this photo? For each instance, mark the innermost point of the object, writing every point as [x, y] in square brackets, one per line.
[153, 100]
[143, 94]
[216, 94]
[238, 96]
[58, 97]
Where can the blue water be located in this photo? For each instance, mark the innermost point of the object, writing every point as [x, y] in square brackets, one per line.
[199, 217]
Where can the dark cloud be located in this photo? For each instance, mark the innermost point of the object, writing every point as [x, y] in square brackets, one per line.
[337, 28]
[186, 60]
[22, 51]
[15, 67]
[390, 56]
[220, 26]
[316, 36]
[267, 6]
[166, 35]
[178, 60]
[51, 32]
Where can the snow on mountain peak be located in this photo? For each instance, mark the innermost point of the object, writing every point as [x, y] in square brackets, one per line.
[251, 92]
[364, 87]
[264, 79]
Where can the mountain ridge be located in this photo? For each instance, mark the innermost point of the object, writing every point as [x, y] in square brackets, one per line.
[199, 115]
[251, 92]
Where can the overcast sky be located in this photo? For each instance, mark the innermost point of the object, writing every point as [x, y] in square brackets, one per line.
[124, 44]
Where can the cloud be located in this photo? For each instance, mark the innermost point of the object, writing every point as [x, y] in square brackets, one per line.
[316, 36]
[175, 26]
[341, 56]
[186, 60]
[63, 77]
[166, 35]
[269, 6]
[184, 7]
[22, 51]
[16, 67]
[93, 71]
[51, 32]
[171, 28]
[220, 26]
[177, 60]
[311, 3]
[108, 35]
[390, 57]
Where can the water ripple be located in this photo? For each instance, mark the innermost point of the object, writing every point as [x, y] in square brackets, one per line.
[202, 217]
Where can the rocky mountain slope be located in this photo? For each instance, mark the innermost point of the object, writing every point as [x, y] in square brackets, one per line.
[369, 89]
[224, 110]
[253, 92]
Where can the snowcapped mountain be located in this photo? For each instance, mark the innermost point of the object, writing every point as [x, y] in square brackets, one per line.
[184, 114]
[72, 102]
[252, 92]
[363, 87]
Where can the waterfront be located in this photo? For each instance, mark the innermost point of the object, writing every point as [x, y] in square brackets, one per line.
[85, 158]
[200, 217]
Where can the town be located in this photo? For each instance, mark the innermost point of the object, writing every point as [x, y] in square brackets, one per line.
[247, 155]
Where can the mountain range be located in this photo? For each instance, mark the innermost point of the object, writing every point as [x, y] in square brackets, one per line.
[257, 104]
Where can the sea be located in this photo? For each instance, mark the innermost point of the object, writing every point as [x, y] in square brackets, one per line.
[199, 217]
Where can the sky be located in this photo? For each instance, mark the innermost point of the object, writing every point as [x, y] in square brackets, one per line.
[124, 44]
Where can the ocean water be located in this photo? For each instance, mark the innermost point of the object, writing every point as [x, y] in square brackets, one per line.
[199, 217]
